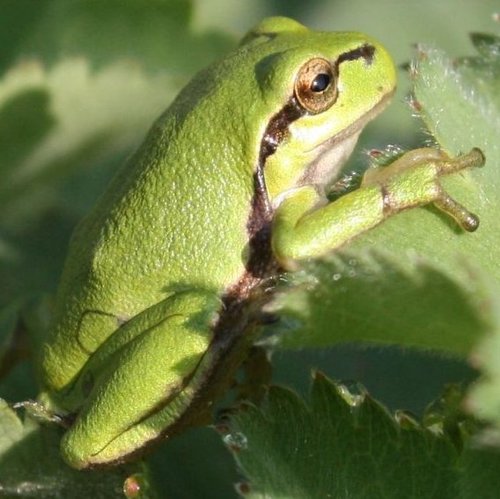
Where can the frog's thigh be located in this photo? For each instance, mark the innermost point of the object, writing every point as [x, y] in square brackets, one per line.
[147, 367]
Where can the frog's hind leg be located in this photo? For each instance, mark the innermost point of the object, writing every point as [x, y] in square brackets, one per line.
[153, 358]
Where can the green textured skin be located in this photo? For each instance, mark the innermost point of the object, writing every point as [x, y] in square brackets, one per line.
[169, 236]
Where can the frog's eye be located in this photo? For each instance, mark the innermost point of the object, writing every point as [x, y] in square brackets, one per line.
[316, 85]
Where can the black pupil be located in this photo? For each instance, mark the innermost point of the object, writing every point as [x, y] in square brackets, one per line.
[320, 83]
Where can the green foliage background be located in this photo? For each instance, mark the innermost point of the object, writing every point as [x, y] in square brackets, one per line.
[80, 83]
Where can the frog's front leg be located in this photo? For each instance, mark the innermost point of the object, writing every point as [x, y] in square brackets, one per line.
[306, 227]
[140, 380]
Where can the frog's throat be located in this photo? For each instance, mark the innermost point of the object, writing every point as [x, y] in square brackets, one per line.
[331, 155]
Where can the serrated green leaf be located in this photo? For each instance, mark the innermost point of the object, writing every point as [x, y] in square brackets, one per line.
[338, 449]
[462, 111]
[345, 444]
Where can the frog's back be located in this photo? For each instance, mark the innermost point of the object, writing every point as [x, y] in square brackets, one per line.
[174, 218]
[168, 222]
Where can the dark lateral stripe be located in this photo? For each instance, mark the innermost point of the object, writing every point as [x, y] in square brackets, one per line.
[365, 51]
[278, 128]
[259, 223]
[275, 133]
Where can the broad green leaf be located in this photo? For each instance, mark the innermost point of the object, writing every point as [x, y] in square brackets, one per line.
[30, 465]
[344, 299]
[459, 102]
[477, 81]
[345, 445]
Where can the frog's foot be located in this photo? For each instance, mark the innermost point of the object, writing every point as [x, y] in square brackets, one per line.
[40, 412]
[413, 180]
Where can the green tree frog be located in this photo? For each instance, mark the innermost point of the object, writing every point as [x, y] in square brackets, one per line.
[228, 189]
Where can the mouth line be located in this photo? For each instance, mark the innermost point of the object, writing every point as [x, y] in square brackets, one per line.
[354, 127]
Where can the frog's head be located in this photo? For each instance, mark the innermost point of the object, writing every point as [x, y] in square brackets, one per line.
[322, 89]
